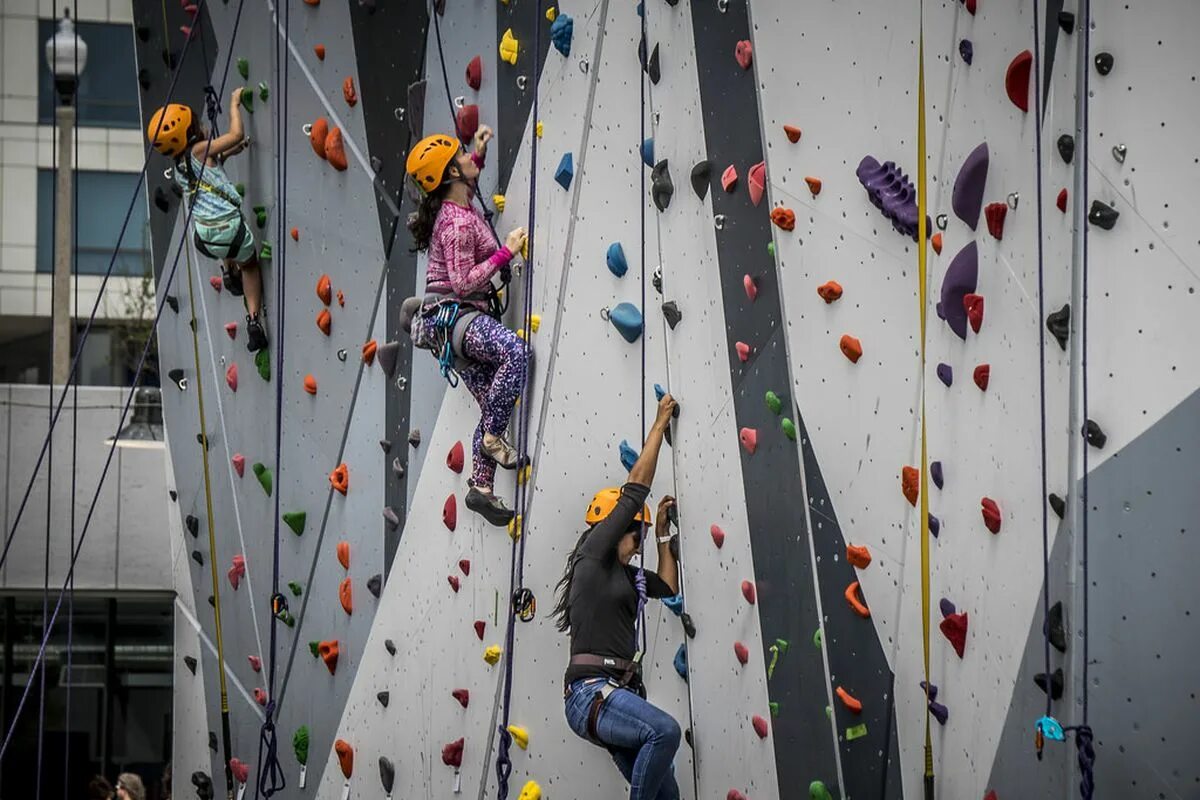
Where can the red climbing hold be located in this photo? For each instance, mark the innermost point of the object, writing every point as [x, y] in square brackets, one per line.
[991, 795]
[325, 289]
[954, 628]
[237, 571]
[255, 663]
[454, 459]
[910, 484]
[454, 584]
[231, 329]
[784, 218]
[1016, 80]
[760, 726]
[1061, 202]
[852, 703]
[452, 753]
[466, 122]
[743, 351]
[742, 652]
[729, 178]
[463, 696]
[312, 2]
[970, 5]
[475, 73]
[295, 234]
[751, 287]
[368, 352]
[718, 536]
[995, 213]
[858, 555]
[339, 478]
[734, 794]
[345, 755]
[744, 53]
[480, 627]
[830, 291]
[981, 375]
[324, 321]
[748, 592]
[260, 696]
[319, 49]
[936, 241]
[851, 348]
[756, 182]
[329, 654]
[346, 595]
[343, 554]
[814, 185]
[231, 377]
[239, 464]
[215, 282]
[348, 92]
[464, 564]
[973, 305]
[335, 150]
[310, 384]
[749, 439]
[859, 606]
[991, 514]
[240, 769]
[317, 134]
[450, 513]
[793, 133]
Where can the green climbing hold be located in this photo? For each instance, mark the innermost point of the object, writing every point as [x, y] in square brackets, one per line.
[315, 647]
[771, 248]
[243, 67]
[265, 254]
[295, 587]
[300, 744]
[828, 712]
[783, 645]
[817, 639]
[241, 188]
[789, 428]
[295, 520]
[248, 100]
[287, 619]
[773, 402]
[264, 477]
[260, 216]
[856, 732]
[774, 709]
[263, 91]
[262, 361]
[817, 791]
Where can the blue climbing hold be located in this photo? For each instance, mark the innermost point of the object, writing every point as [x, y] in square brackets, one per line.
[659, 392]
[627, 320]
[617, 264]
[565, 171]
[681, 662]
[629, 456]
[675, 604]
[641, 9]
[561, 32]
[648, 151]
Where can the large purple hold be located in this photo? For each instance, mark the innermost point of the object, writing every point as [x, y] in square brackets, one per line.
[946, 607]
[892, 193]
[939, 712]
[959, 280]
[935, 472]
[932, 691]
[967, 199]
[945, 374]
[967, 51]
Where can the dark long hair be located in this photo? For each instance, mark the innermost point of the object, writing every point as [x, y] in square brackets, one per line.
[562, 608]
[421, 222]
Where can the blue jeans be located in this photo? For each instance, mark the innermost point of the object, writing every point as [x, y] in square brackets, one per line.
[641, 738]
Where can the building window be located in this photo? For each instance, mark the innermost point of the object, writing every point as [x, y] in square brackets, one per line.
[103, 201]
[108, 89]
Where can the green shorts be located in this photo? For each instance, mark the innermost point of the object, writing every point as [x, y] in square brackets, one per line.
[216, 238]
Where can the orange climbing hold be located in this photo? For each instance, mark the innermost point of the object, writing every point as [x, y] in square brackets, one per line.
[329, 654]
[450, 513]
[784, 218]
[749, 439]
[346, 595]
[991, 514]
[345, 752]
[368, 352]
[295, 234]
[851, 348]
[814, 185]
[858, 555]
[319, 49]
[454, 459]
[910, 484]
[348, 91]
[317, 134]
[741, 652]
[792, 132]
[324, 321]
[310, 384]
[343, 554]
[851, 703]
[312, 2]
[325, 289]
[982, 374]
[340, 478]
[760, 726]
[830, 291]
[859, 606]
[335, 150]
[749, 592]
[936, 241]
[341, 298]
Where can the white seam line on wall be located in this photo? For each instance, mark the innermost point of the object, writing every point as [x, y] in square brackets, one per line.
[195, 623]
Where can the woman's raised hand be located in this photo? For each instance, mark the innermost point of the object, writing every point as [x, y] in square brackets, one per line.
[515, 241]
[482, 136]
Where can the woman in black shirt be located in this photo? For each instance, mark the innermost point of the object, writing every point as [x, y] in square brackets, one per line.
[599, 603]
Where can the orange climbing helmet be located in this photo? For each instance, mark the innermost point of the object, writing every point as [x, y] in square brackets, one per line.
[605, 501]
[427, 161]
[168, 129]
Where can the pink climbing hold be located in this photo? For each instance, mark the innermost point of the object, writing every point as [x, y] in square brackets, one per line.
[742, 652]
[454, 459]
[255, 663]
[450, 513]
[260, 696]
[718, 536]
[453, 580]
[231, 329]
[982, 374]
[463, 696]
[239, 464]
[760, 726]
[954, 628]
[991, 514]
[973, 305]
[748, 592]
[743, 351]
[749, 439]
[744, 53]
[729, 178]
[464, 564]
[756, 182]
[480, 627]
[240, 770]
[751, 287]
[231, 377]
[215, 282]
[237, 571]
[995, 213]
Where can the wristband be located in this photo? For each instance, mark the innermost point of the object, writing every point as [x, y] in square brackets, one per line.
[664, 539]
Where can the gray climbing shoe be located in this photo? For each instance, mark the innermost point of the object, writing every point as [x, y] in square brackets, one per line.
[500, 451]
[489, 506]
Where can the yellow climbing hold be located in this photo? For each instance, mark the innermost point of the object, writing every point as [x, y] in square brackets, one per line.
[509, 47]
[535, 322]
[492, 654]
[514, 527]
[552, 13]
[538, 129]
[531, 791]
[525, 250]
[520, 736]
[498, 201]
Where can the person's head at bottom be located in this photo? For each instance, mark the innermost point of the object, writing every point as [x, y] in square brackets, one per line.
[130, 787]
[99, 788]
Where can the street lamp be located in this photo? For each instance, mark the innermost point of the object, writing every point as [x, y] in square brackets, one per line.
[66, 54]
[145, 431]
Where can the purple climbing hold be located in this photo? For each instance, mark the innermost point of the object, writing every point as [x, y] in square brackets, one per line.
[947, 608]
[935, 525]
[959, 281]
[935, 472]
[932, 691]
[945, 374]
[967, 198]
[892, 193]
[967, 51]
[939, 712]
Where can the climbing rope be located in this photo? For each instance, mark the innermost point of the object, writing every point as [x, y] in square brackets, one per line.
[639, 633]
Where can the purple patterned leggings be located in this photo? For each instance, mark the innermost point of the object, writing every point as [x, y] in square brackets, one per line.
[495, 376]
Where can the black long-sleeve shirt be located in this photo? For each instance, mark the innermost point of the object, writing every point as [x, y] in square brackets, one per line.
[603, 599]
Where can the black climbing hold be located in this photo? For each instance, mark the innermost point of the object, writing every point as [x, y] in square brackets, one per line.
[672, 3]
[201, 441]
[661, 187]
[1104, 63]
[375, 584]
[190, 662]
[385, 445]
[653, 69]
[202, 783]
[1066, 21]
[414, 438]
[174, 495]
[173, 302]
[383, 698]
[143, 32]
[160, 200]
[1056, 683]
[390, 646]
[212, 741]
[376, 164]
[388, 356]
[1103, 215]
[193, 525]
[967, 50]
[144, 79]
[177, 190]
[701, 177]
[387, 774]
[1066, 147]
[369, 6]
[672, 313]
[1054, 629]
[1059, 325]
[656, 280]
[1058, 505]
[198, 557]
[1094, 435]
[687, 736]
[689, 627]
[673, 545]
[211, 601]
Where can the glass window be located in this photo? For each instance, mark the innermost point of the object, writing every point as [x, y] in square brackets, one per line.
[103, 201]
[107, 95]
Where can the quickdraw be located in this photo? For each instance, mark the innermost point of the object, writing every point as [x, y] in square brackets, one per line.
[524, 604]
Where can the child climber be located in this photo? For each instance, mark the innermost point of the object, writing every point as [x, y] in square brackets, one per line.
[455, 315]
[220, 230]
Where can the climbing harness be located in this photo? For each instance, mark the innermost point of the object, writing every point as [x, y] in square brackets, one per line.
[433, 330]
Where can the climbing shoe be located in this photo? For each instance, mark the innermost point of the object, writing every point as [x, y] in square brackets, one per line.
[256, 334]
[232, 278]
[500, 451]
[489, 506]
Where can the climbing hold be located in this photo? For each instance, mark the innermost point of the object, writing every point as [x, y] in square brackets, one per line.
[858, 555]
[561, 31]
[324, 321]
[231, 329]
[969, 5]
[255, 663]
[237, 571]
[662, 189]
[319, 49]
[325, 289]
[1066, 21]
[452, 753]
[734, 794]
[1058, 504]
[348, 91]
[1103, 215]
[792, 132]
[675, 605]
[671, 313]
[296, 588]
[464, 565]
[343, 554]
[1104, 63]
[1055, 683]
[1066, 147]
[890, 190]
[744, 53]
[530, 791]
[973, 305]
[450, 513]
[480, 627]
[190, 663]
[454, 582]
[945, 374]
[858, 606]
[519, 735]
[628, 455]
[991, 514]
[243, 68]
[215, 282]
[910, 484]
[1016, 79]
[339, 478]
[1054, 628]
[756, 182]
[345, 756]
[995, 213]
[388, 354]
[1094, 434]
[475, 73]
[454, 459]
[935, 525]
[231, 377]
[627, 319]
[748, 592]
[817, 791]
[346, 596]
[295, 520]
[939, 712]
[192, 524]
[239, 768]
[851, 348]
[718, 535]
[749, 439]
[391, 517]
[959, 281]
[814, 185]
[773, 402]
[789, 428]
[509, 47]
[335, 150]
[830, 291]
[743, 351]
[492, 654]
[565, 171]
[384, 698]
[701, 174]
[1061, 201]
[741, 652]
[173, 302]
[954, 627]
[310, 384]
[375, 584]
[617, 264]
[967, 51]
[318, 133]
[368, 352]
[466, 122]
[390, 646]
[729, 178]
[329, 654]
[784, 218]
[239, 464]
[981, 375]
[341, 298]
[849, 701]
[936, 241]
[967, 197]
[498, 200]
[751, 288]
[264, 477]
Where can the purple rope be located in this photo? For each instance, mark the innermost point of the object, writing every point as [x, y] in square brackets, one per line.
[640, 628]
